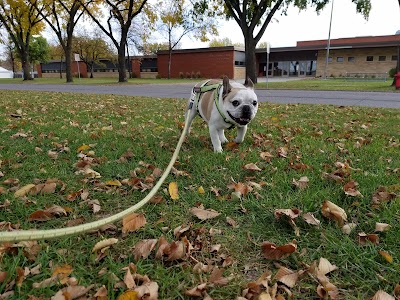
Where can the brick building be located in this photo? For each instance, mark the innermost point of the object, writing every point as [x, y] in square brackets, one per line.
[370, 55]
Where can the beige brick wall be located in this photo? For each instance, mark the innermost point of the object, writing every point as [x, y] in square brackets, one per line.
[360, 65]
[239, 73]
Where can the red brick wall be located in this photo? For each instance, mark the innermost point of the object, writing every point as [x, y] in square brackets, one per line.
[136, 67]
[82, 69]
[210, 64]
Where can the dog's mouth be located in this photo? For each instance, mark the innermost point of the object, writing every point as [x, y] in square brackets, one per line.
[241, 121]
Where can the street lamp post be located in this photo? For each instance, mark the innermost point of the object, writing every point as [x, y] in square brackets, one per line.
[267, 66]
[329, 43]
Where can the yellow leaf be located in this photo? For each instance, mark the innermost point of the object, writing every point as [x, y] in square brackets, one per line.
[201, 190]
[24, 190]
[83, 148]
[113, 182]
[173, 190]
[386, 256]
[128, 295]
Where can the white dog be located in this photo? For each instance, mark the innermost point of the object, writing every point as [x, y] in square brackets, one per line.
[223, 105]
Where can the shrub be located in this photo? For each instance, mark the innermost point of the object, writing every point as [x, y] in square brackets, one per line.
[181, 75]
[158, 76]
[188, 75]
[198, 75]
[391, 73]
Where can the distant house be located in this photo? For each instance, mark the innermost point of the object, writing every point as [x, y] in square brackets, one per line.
[373, 54]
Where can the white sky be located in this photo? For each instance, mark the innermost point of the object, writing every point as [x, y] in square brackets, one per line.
[285, 31]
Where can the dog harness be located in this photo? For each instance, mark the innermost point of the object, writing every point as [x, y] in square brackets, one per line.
[199, 90]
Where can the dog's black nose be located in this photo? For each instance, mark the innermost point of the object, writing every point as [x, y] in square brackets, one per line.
[246, 109]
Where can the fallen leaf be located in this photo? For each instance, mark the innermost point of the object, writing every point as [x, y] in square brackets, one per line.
[133, 222]
[101, 293]
[62, 272]
[147, 291]
[201, 190]
[274, 252]
[364, 238]
[72, 292]
[302, 183]
[287, 277]
[143, 248]
[325, 266]
[311, 219]
[381, 227]
[386, 256]
[350, 189]
[83, 148]
[113, 183]
[204, 214]
[348, 227]
[173, 190]
[216, 277]
[382, 295]
[332, 211]
[24, 190]
[128, 295]
[104, 243]
[197, 291]
[40, 216]
[252, 167]
[129, 280]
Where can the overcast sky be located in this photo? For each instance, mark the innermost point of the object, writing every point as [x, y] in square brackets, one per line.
[285, 31]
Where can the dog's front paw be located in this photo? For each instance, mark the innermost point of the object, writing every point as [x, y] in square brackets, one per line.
[218, 150]
[224, 140]
[238, 140]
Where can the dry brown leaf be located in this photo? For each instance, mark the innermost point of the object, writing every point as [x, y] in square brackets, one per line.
[24, 190]
[40, 216]
[177, 250]
[325, 267]
[381, 227]
[252, 167]
[20, 276]
[101, 293]
[197, 291]
[348, 227]
[232, 222]
[144, 248]
[173, 190]
[133, 222]
[287, 277]
[216, 277]
[350, 189]
[291, 213]
[147, 291]
[72, 292]
[302, 183]
[382, 195]
[204, 214]
[273, 252]
[104, 243]
[332, 211]
[129, 280]
[382, 295]
[364, 238]
[311, 219]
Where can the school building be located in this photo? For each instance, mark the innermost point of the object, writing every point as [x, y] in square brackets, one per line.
[357, 56]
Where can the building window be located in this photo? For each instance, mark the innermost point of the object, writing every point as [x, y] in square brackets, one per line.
[394, 57]
[370, 58]
[339, 59]
[382, 58]
[351, 59]
[330, 59]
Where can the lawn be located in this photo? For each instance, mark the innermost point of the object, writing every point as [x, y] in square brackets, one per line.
[251, 221]
[305, 84]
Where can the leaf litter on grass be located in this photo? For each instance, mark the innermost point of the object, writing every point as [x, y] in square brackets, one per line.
[245, 204]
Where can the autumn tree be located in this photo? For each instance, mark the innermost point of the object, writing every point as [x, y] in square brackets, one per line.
[62, 16]
[22, 21]
[223, 42]
[57, 53]
[179, 18]
[253, 17]
[118, 22]
[91, 49]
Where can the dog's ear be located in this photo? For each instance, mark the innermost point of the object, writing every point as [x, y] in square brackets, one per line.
[226, 85]
[249, 84]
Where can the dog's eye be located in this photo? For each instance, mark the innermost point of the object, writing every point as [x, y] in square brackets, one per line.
[255, 103]
[235, 103]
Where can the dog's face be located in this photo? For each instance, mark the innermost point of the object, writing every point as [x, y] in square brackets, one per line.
[240, 102]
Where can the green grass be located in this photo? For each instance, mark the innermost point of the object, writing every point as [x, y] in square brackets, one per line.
[304, 84]
[317, 136]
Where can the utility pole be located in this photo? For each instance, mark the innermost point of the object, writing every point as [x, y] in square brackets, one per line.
[329, 43]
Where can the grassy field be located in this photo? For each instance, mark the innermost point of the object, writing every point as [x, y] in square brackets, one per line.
[306, 84]
[87, 157]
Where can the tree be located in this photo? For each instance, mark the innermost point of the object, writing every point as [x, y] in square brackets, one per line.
[39, 50]
[57, 52]
[121, 13]
[62, 16]
[21, 20]
[223, 42]
[179, 19]
[91, 49]
[256, 15]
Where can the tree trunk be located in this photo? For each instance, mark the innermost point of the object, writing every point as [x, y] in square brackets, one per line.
[26, 65]
[169, 62]
[68, 60]
[121, 63]
[250, 51]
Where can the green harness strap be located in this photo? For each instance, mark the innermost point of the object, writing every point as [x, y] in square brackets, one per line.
[212, 87]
